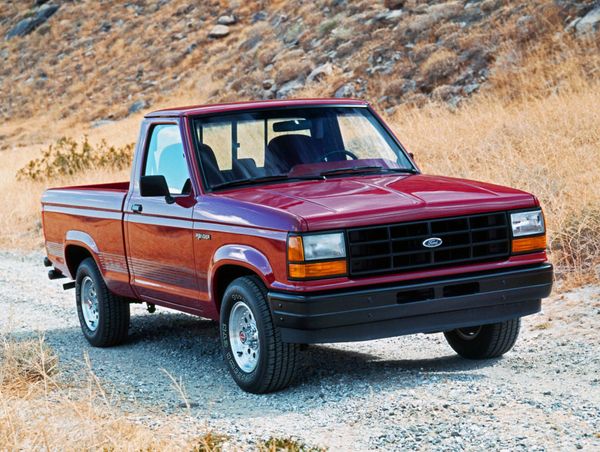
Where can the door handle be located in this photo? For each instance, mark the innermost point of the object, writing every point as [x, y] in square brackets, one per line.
[137, 208]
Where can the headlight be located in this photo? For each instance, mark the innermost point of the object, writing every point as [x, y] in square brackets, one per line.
[324, 246]
[527, 223]
[317, 255]
[529, 233]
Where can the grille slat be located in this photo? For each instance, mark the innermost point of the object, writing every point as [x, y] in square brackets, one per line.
[465, 239]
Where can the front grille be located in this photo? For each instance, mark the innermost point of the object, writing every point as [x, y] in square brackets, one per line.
[399, 247]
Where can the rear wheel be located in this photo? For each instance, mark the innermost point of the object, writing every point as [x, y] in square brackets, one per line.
[485, 341]
[257, 359]
[104, 316]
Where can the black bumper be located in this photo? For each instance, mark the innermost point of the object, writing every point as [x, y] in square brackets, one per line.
[423, 307]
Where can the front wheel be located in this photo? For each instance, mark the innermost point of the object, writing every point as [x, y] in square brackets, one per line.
[104, 316]
[257, 359]
[485, 341]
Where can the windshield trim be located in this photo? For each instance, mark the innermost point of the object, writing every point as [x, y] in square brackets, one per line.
[206, 187]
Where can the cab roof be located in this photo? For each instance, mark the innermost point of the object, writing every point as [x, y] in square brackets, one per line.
[240, 106]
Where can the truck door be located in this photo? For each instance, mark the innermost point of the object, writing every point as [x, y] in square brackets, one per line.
[159, 234]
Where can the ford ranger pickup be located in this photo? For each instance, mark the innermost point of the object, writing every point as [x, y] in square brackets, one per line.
[295, 222]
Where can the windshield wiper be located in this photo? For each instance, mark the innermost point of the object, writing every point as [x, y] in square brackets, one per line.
[367, 169]
[258, 180]
[351, 169]
[400, 170]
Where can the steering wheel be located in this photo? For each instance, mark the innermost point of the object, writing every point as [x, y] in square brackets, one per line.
[341, 151]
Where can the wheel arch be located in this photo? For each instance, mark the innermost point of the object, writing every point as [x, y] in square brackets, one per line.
[234, 261]
[78, 247]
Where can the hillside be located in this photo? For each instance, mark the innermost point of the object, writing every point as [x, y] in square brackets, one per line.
[90, 61]
[492, 90]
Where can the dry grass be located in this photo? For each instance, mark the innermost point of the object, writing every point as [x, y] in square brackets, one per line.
[535, 128]
[40, 411]
[548, 147]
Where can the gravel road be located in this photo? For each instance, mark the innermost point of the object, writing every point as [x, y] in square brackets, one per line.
[402, 393]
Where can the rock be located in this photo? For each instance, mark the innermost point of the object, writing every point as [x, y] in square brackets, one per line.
[250, 43]
[102, 122]
[487, 6]
[227, 20]
[589, 23]
[289, 88]
[137, 106]
[320, 72]
[218, 31]
[394, 4]
[393, 15]
[259, 16]
[346, 90]
[471, 88]
[268, 84]
[292, 35]
[26, 26]
[105, 27]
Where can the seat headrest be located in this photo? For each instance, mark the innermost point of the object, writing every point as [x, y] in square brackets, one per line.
[210, 165]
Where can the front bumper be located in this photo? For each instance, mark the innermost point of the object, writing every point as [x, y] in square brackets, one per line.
[427, 306]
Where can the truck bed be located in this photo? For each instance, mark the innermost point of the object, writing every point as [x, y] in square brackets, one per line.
[89, 216]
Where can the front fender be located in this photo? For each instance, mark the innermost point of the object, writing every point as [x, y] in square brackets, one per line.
[243, 256]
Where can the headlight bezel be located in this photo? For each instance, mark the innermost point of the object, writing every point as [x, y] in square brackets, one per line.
[304, 264]
[523, 213]
[528, 241]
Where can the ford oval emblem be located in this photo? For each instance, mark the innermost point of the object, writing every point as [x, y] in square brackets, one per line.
[433, 242]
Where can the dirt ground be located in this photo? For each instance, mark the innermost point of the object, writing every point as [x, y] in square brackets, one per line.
[410, 392]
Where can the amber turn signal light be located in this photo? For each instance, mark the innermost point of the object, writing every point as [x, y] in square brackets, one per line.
[318, 269]
[295, 249]
[526, 244]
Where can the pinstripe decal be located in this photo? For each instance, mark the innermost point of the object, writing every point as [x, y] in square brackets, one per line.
[113, 262]
[168, 274]
[84, 212]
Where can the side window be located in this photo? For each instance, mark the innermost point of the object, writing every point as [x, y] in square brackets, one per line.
[166, 157]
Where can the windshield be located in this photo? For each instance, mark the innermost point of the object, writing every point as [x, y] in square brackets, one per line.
[276, 145]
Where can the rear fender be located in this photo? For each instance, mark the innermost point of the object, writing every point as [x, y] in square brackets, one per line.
[83, 240]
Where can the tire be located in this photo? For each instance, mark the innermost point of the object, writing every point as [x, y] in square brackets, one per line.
[486, 341]
[266, 364]
[105, 322]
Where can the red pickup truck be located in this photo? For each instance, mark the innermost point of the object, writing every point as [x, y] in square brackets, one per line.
[296, 222]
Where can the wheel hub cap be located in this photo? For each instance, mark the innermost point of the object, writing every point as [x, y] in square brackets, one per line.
[243, 337]
[89, 303]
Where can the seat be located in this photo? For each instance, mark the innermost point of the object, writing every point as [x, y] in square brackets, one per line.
[246, 168]
[286, 151]
[209, 163]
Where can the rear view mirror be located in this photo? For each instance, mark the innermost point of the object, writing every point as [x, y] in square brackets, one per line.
[155, 186]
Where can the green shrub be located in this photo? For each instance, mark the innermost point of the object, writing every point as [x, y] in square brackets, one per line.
[67, 157]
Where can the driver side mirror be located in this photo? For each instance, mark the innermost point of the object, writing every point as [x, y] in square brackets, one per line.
[155, 186]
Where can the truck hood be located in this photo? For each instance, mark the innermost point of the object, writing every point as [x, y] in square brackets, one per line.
[365, 200]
